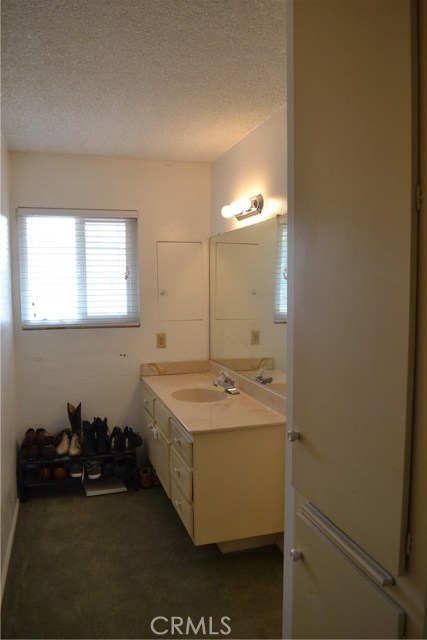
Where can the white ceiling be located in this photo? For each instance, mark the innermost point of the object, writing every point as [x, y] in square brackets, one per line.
[157, 79]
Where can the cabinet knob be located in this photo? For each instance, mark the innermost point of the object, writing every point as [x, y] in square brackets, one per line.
[295, 555]
[163, 292]
[293, 435]
[177, 504]
[177, 471]
[177, 441]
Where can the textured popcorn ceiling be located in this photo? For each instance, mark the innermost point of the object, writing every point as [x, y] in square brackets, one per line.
[157, 79]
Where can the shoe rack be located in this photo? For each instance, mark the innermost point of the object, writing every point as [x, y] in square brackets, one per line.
[43, 473]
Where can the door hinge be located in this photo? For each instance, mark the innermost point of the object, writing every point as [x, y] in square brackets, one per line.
[408, 543]
[419, 197]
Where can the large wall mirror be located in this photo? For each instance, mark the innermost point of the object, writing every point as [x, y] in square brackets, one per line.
[248, 301]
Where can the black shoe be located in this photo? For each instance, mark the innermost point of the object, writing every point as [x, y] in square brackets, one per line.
[75, 417]
[117, 440]
[132, 439]
[102, 435]
[88, 439]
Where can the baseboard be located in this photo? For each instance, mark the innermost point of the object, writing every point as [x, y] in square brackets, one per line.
[9, 549]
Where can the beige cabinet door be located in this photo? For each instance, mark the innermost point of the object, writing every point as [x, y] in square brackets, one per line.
[162, 460]
[353, 267]
[149, 437]
[332, 599]
[180, 280]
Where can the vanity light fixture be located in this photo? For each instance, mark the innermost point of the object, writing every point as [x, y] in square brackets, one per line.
[243, 208]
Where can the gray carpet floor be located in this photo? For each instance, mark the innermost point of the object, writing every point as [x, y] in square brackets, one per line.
[106, 566]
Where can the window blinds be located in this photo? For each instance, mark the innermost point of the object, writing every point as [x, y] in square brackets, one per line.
[281, 277]
[78, 268]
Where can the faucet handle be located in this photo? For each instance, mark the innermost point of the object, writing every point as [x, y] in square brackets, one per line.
[226, 377]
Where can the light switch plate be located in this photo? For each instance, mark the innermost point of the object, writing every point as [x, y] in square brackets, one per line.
[161, 340]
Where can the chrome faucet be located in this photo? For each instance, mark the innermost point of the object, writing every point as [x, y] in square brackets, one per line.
[259, 377]
[224, 380]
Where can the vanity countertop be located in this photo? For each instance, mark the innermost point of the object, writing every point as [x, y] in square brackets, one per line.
[229, 412]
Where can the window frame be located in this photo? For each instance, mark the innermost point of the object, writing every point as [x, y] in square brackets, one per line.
[281, 271]
[131, 318]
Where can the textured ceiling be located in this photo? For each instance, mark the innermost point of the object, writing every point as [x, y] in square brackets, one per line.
[157, 79]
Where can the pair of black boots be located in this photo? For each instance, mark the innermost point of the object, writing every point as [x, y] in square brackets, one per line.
[124, 440]
[95, 437]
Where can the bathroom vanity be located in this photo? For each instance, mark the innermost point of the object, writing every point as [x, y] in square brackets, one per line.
[219, 457]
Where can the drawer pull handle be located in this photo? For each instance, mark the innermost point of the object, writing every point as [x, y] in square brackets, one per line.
[293, 436]
[177, 441]
[177, 471]
[295, 555]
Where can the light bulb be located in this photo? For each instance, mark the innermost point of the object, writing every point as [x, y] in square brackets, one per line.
[245, 204]
[227, 211]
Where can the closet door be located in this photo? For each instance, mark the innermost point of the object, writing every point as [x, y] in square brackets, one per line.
[344, 602]
[180, 280]
[353, 267]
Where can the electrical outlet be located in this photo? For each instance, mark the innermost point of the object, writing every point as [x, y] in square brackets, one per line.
[255, 336]
[161, 340]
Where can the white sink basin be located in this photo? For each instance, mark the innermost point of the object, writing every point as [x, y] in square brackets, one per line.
[198, 395]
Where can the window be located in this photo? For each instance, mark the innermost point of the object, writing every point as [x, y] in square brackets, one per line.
[78, 268]
[281, 285]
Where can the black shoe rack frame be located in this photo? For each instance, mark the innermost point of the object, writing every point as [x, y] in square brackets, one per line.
[27, 471]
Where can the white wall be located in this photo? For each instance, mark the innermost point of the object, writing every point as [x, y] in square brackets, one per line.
[256, 164]
[84, 365]
[8, 380]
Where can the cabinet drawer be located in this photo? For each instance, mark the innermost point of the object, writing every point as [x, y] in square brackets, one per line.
[182, 442]
[182, 506]
[149, 399]
[181, 474]
[163, 418]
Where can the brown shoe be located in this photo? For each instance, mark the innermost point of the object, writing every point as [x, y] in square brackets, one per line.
[44, 472]
[43, 437]
[29, 438]
[146, 478]
[59, 472]
[31, 453]
[48, 451]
